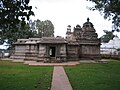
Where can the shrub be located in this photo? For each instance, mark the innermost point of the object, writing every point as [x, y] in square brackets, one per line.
[108, 56]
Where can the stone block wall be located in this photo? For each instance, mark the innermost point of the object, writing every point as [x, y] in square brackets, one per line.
[72, 52]
[31, 52]
[20, 51]
[91, 52]
[41, 52]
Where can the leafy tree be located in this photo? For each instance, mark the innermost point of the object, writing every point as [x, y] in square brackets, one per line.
[11, 36]
[47, 29]
[107, 37]
[118, 49]
[33, 30]
[13, 17]
[43, 28]
[110, 9]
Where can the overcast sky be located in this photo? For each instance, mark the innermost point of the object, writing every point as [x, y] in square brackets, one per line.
[69, 12]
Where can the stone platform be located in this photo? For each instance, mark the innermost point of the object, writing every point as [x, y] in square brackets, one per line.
[34, 63]
[69, 63]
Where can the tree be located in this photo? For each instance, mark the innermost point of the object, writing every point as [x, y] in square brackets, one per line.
[43, 28]
[11, 36]
[48, 28]
[13, 16]
[107, 37]
[110, 9]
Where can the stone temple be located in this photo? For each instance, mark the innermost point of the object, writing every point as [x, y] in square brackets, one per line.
[81, 44]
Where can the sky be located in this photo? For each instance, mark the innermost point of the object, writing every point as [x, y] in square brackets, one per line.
[69, 12]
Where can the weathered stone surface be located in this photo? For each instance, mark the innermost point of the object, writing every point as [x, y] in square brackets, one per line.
[82, 43]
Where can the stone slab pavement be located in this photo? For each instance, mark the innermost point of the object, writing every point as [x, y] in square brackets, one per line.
[34, 63]
[60, 80]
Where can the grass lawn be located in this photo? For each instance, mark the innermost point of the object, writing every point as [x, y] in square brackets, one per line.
[16, 76]
[95, 76]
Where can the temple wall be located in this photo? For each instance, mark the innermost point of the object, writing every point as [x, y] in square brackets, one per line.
[90, 52]
[31, 48]
[63, 50]
[20, 51]
[41, 52]
[20, 48]
[90, 49]
[72, 52]
[31, 52]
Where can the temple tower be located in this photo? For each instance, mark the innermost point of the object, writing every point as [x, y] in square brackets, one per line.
[89, 42]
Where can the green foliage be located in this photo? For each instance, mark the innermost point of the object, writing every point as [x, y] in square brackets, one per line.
[115, 57]
[110, 9]
[105, 56]
[95, 76]
[11, 36]
[16, 76]
[13, 16]
[34, 29]
[118, 49]
[107, 37]
[108, 56]
[43, 28]
[13, 11]
[13, 22]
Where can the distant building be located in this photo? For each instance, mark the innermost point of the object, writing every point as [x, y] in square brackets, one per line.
[111, 47]
[82, 43]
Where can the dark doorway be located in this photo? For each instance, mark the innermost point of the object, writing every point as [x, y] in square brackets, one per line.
[52, 51]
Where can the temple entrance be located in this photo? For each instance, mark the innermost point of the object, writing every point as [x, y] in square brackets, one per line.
[52, 51]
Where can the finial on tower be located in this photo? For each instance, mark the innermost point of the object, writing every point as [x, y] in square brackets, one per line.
[68, 29]
[88, 19]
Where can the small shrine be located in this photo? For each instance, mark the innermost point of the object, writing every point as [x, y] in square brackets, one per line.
[81, 44]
